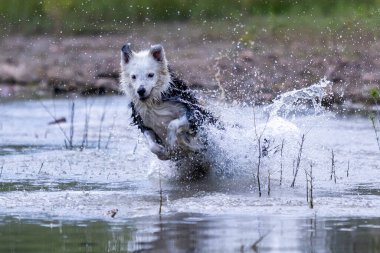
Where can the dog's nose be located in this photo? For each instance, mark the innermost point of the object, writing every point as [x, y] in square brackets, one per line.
[141, 91]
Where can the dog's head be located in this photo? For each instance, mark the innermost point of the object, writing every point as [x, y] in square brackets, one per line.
[144, 75]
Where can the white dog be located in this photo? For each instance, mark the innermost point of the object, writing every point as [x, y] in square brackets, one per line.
[163, 108]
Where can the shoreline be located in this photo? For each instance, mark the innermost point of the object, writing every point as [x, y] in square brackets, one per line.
[257, 69]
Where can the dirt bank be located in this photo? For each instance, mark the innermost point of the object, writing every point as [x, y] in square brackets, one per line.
[256, 70]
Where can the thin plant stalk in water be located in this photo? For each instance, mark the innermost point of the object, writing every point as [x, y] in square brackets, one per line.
[309, 182]
[372, 118]
[298, 160]
[375, 94]
[333, 173]
[268, 183]
[2, 167]
[72, 115]
[281, 160]
[101, 125]
[111, 130]
[258, 138]
[293, 166]
[311, 186]
[159, 176]
[307, 186]
[58, 123]
[42, 165]
[255, 245]
[69, 138]
[86, 125]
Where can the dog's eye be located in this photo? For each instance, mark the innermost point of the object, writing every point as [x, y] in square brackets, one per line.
[150, 75]
[133, 77]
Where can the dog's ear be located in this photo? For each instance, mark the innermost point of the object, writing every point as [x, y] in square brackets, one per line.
[126, 53]
[157, 51]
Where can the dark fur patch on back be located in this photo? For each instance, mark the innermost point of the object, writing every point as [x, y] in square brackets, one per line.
[180, 93]
[196, 114]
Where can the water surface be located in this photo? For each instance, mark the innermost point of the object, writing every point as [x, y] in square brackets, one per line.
[58, 199]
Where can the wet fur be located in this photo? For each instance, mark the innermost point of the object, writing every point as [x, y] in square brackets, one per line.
[170, 117]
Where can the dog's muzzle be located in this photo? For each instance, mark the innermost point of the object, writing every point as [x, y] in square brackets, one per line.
[141, 91]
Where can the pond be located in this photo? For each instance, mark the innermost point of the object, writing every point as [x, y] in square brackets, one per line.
[101, 190]
[192, 232]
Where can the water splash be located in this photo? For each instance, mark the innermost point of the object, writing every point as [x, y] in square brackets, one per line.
[303, 101]
[235, 150]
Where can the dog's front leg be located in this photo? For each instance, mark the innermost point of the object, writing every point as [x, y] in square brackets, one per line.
[154, 147]
[173, 128]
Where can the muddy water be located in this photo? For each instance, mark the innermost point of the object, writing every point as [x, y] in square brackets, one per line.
[61, 200]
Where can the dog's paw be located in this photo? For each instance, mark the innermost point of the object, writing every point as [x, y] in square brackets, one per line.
[189, 143]
[171, 138]
[157, 149]
[172, 141]
[175, 128]
[160, 151]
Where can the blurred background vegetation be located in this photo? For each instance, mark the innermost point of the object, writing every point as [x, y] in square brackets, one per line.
[94, 16]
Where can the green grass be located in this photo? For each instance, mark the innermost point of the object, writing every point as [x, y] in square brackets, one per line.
[345, 28]
[85, 16]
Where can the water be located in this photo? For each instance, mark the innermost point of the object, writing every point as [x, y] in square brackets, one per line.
[58, 199]
[193, 233]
